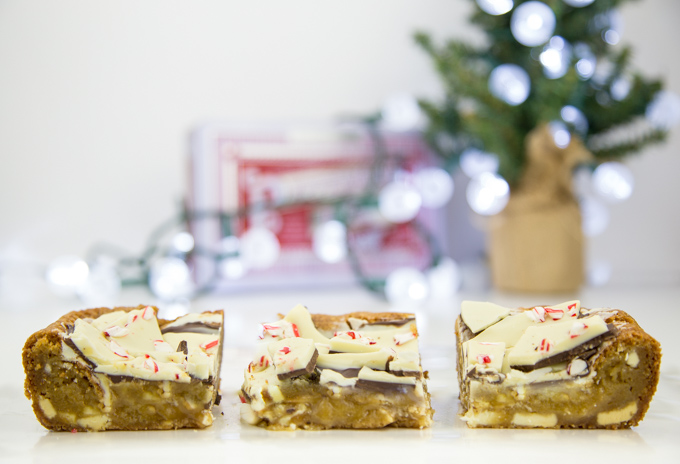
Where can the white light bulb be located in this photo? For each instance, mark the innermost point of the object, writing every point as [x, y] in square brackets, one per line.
[613, 181]
[495, 7]
[102, 286]
[575, 118]
[401, 113]
[620, 88]
[329, 241]
[555, 58]
[487, 194]
[259, 248]
[560, 134]
[170, 278]
[474, 162]
[594, 217]
[663, 112]
[435, 186]
[183, 242]
[587, 62]
[578, 3]
[66, 274]
[532, 23]
[399, 202]
[231, 268]
[444, 279]
[406, 286]
[510, 83]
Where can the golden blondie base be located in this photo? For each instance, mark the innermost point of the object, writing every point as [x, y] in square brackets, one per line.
[622, 376]
[68, 395]
[311, 401]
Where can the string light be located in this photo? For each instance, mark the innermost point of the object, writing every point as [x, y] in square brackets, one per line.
[510, 83]
[406, 286]
[556, 57]
[474, 162]
[532, 23]
[586, 63]
[401, 113]
[330, 241]
[66, 274]
[259, 248]
[495, 7]
[560, 134]
[578, 3]
[613, 181]
[170, 279]
[399, 202]
[444, 279]
[487, 194]
[183, 242]
[435, 187]
[575, 118]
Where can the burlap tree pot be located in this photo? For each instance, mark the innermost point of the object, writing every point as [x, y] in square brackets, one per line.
[536, 243]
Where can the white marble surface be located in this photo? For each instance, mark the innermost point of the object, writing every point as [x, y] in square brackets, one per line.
[657, 439]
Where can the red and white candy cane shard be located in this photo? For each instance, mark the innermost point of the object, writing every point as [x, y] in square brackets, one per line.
[546, 345]
[296, 332]
[207, 345]
[573, 310]
[539, 313]
[284, 350]
[116, 331]
[402, 338]
[150, 364]
[578, 328]
[118, 350]
[484, 358]
[555, 314]
[148, 313]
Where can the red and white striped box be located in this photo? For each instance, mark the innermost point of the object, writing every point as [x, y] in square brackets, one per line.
[286, 177]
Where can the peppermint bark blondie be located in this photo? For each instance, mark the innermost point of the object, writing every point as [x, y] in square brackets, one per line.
[124, 369]
[359, 370]
[558, 366]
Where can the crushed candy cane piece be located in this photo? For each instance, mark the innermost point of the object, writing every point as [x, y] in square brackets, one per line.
[206, 346]
[578, 328]
[148, 313]
[118, 350]
[116, 331]
[484, 359]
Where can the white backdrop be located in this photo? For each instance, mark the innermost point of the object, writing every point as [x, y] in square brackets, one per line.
[97, 100]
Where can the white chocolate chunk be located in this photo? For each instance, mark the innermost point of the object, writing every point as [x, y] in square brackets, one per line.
[371, 375]
[406, 361]
[571, 309]
[478, 315]
[356, 323]
[341, 361]
[488, 354]
[618, 415]
[632, 359]
[292, 355]
[303, 320]
[353, 342]
[507, 331]
[47, 408]
[543, 341]
[529, 419]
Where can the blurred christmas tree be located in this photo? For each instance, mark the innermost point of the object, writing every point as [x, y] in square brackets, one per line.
[551, 89]
[552, 62]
